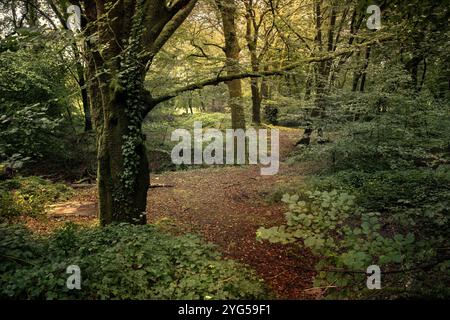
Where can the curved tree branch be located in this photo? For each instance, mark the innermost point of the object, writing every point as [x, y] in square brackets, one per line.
[152, 102]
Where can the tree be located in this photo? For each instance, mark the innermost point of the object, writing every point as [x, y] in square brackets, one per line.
[59, 9]
[228, 12]
[122, 39]
[35, 15]
[256, 13]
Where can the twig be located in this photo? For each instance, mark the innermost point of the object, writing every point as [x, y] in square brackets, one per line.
[17, 259]
[154, 186]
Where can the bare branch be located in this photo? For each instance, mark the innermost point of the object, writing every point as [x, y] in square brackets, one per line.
[169, 22]
[249, 74]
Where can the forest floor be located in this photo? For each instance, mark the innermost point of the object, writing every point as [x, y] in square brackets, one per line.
[226, 206]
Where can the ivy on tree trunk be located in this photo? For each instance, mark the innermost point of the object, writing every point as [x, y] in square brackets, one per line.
[122, 39]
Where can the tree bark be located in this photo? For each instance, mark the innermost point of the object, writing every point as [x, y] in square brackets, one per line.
[228, 10]
[31, 8]
[119, 54]
[123, 174]
[252, 34]
[122, 171]
[364, 69]
[84, 97]
[413, 67]
[322, 70]
[424, 74]
[265, 89]
[256, 101]
[355, 82]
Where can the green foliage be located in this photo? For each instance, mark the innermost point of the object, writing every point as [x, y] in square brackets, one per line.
[119, 262]
[278, 192]
[349, 238]
[38, 108]
[271, 114]
[26, 132]
[399, 190]
[159, 127]
[29, 196]
[409, 133]
[384, 198]
[288, 111]
[32, 103]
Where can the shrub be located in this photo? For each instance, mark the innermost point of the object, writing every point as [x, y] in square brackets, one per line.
[393, 189]
[401, 132]
[39, 114]
[32, 103]
[271, 114]
[119, 262]
[29, 196]
[349, 238]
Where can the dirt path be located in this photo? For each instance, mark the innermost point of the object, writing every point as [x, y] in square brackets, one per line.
[226, 206]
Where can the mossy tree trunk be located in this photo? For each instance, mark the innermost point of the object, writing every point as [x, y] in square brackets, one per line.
[122, 38]
[123, 175]
[228, 11]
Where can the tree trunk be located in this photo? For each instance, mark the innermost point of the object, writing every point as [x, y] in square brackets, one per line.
[256, 93]
[31, 9]
[252, 34]
[122, 189]
[202, 102]
[119, 54]
[123, 174]
[364, 70]
[356, 77]
[117, 100]
[324, 68]
[236, 105]
[308, 85]
[256, 101]
[191, 110]
[265, 90]
[413, 67]
[84, 97]
[424, 73]
[320, 69]
[232, 50]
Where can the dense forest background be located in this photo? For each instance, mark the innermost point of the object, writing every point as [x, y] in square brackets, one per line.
[361, 99]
